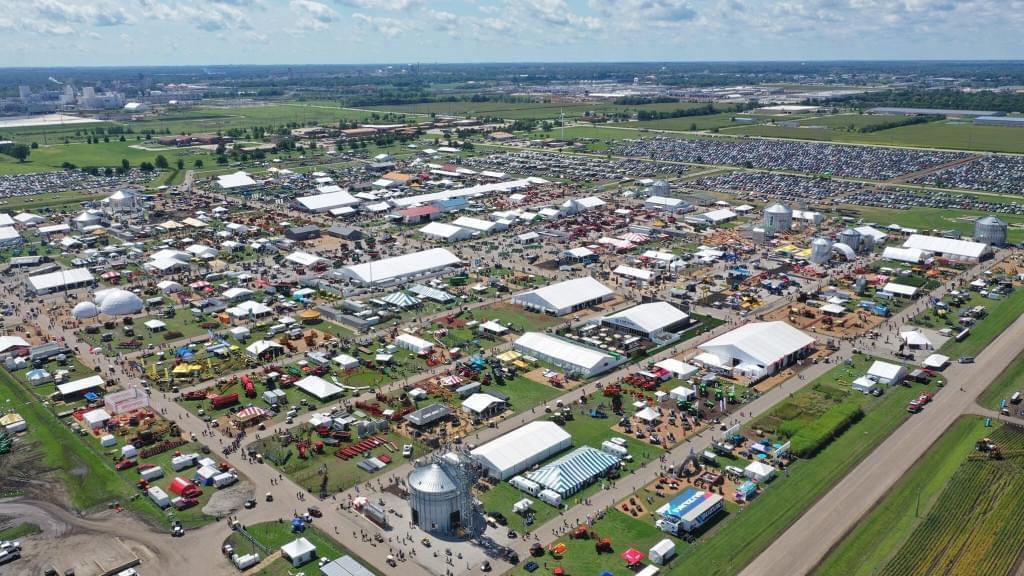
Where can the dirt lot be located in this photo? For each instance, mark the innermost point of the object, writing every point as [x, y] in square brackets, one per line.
[850, 324]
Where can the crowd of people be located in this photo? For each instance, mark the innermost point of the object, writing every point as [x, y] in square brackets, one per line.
[869, 162]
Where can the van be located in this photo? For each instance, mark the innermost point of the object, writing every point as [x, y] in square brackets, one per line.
[295, 333]
[276, 329]
[1015, 399]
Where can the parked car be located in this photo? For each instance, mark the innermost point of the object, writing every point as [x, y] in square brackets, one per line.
[966, 360]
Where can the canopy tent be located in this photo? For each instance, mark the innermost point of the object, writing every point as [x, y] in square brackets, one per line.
[915, 339]
[632, 557]
[402, 300]
[648, 414]
[577, 469]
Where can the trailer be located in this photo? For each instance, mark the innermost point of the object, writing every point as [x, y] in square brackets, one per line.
[224, 400]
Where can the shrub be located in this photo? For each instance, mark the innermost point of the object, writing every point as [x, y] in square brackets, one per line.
[812, 438]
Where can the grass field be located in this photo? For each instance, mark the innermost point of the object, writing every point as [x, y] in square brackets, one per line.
[1009, 381]
[1001, 313]
[862, 552]
[738, 538]
[704, 122]
[536, 110]
[623, 531]
[19, 531]
[940, 134]
[273, 535]
[938, 219]
[50, 157]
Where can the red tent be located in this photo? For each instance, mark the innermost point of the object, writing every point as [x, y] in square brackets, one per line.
[179, 485]
[632, 557]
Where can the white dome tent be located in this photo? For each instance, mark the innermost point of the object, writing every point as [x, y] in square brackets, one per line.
[118, 302]
[84, 311]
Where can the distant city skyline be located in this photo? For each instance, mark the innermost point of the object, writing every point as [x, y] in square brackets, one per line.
[195, 32]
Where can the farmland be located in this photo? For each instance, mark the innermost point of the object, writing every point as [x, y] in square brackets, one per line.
[921, 218]
[977, 523]
[862, 552]
[534, 110]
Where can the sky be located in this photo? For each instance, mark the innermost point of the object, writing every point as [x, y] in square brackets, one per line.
[180, 32]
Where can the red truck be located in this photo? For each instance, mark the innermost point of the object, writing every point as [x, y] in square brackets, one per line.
[914, 407]
[224, 400]
[250, 390]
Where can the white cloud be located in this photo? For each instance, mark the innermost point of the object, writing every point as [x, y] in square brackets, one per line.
[388, 5]
[387, 27]
[101, 14]
[311, 15]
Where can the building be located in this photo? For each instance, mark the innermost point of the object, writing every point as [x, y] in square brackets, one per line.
[508, 455]
[667, 204]
[576, 359]
[237, 181]
[60, 281]
[9, 236]
[441, 499]
[446, 232]
[345, 233]
[427, 415]
[755, 350]
[418, 214]
[653, 321]
[302, 233]
[483, 405]
[950, 113]
[990, 230]
[329, 198]
[565, 297]
[689, 511]
[345, 566]
[400, 268]
[887, 373]
[949, 248]
[1010, 121]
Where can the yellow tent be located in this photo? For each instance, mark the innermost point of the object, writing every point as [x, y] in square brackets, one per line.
[510, 356]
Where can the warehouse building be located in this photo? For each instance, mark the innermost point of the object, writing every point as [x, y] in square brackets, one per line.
[521, 448]
[565, 297]
[400, 268]
[653, 321]
[329, 198]
[755, 350]
[445, 232]
[576, 359]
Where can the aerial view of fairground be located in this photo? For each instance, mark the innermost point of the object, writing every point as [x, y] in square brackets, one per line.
[674, 316]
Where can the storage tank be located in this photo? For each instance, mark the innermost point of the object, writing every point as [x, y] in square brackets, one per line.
[851, 238]
[867, 243]
[821, 249]
[441, 499]
[990, 230]
[777, 218]
[660, 188]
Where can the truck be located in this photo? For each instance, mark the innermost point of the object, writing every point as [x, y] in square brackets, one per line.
[250, 390]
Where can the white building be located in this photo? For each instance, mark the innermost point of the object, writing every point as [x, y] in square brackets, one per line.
[570, 356]
[400, 268]
[887, 373]
[521, 448]
[319, 388]
[414, 344]
[565, 297]
[667, 204]
[446, 232]
[755, 350]
[649, 320]
[959, 250]
[237, 181]
[60, 280]
[328, 198]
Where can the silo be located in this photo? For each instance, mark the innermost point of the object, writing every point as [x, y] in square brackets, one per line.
[990, 230]
[867, 243]
[821, 250]
[860, 285]
[441, 498]
[777, 218]
[660, 188]
[851, 238]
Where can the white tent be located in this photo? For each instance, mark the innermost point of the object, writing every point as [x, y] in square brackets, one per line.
[318, 387]
[916, 339]
[521, 448]
[648, 414]
[759, 471]
[887, 373]
[864, 384]
[936, 361]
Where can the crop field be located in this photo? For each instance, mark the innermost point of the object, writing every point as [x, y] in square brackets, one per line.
[862, 552]
[940, 134]
[977, 523]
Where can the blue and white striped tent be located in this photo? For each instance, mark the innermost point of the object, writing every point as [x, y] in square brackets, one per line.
[574, 471]
[431, 293]
[402, 300]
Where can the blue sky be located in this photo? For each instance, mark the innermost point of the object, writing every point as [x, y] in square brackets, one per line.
[156, 32]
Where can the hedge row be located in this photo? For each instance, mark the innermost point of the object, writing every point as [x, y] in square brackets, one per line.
[810, 439]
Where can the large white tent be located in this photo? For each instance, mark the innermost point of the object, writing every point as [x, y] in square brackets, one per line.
[565, 297]
[401, 267]
[318, 387]
[572, 357]
[962, 250]
[648, 319]
[521, 448]
[757, 349]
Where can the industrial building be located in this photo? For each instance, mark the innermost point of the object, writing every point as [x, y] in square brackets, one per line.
[441, 498]
[576, 359]
[400, 268]
[508, 455]
[565, 297]
[755, 350]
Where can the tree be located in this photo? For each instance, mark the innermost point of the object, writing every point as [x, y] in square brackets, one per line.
[180, 163]
[146, 167]
[35, 145]
[220, 149]
[222, 159]
[198, 163]
[19, 151]
[161, 162]
[125, 165]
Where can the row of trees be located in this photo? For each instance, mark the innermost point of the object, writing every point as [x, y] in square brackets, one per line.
[951, 99]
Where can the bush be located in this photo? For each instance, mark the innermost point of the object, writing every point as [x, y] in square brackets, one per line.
[816, 435]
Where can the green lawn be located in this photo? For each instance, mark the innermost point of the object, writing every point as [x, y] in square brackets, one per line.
[582, 559]
[510, 314]
[536, 110]
[182, 322]
[273, 535]
[704, 122]
[788, 496]
[1001, 313]
[863, 552]
[19, 531]
[1009, 381]
[938, 219]
[104, 154]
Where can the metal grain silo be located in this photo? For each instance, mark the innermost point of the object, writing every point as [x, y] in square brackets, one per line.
[777, 218]
[851, 238]
[441, 498]
[821, 250]
[990, 230]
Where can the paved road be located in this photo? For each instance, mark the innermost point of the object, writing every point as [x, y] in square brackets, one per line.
[824, 525]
